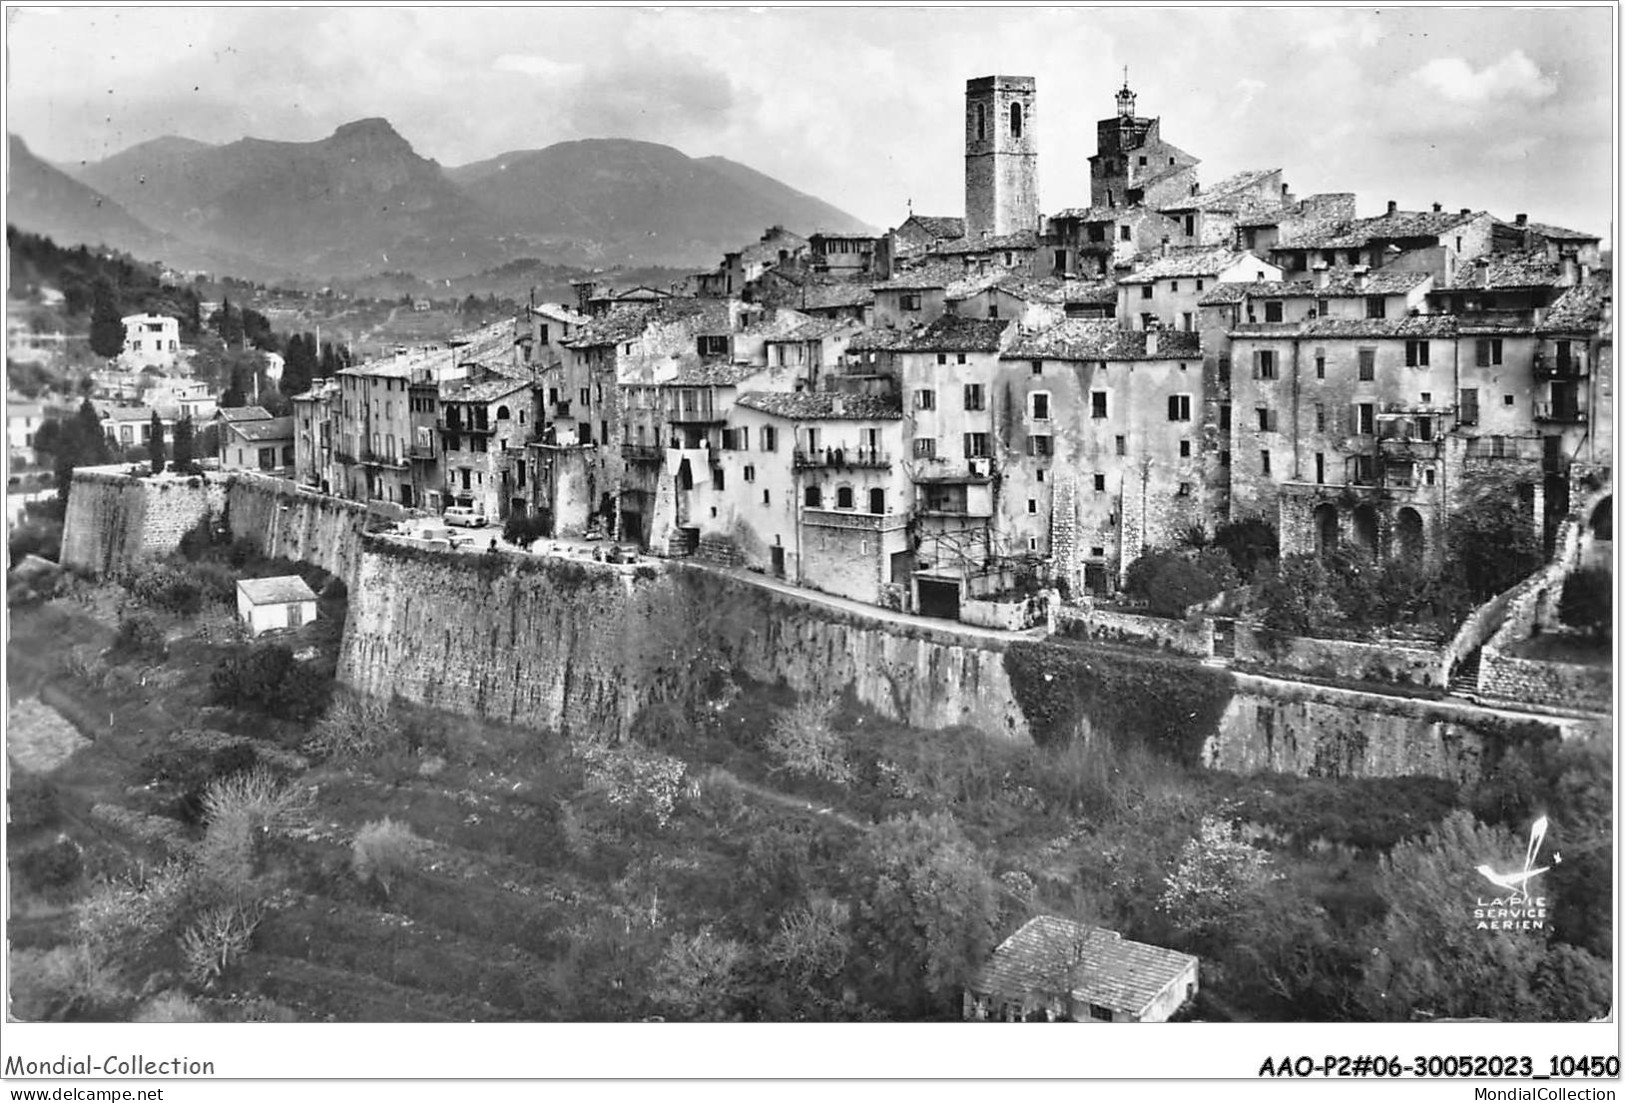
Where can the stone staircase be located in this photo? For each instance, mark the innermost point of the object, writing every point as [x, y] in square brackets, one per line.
[1464, 679]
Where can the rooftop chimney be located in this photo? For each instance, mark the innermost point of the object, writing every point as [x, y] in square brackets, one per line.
[837, 405]
[1521, 219]
[1571, 270]
[1322, 274]
[1362, 276]
[1465, 211]
[1392, 206]
[1151, 332]
[1437, 207]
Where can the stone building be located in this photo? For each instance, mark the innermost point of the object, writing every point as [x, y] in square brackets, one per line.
[819, 491]
[484, 427]
[1132, 166]
[1001, 158]
[919, 232]
[1100, 446]
[1166, 291]
[316, 428]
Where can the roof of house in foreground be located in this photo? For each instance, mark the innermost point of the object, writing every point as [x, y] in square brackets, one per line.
[1102, 966]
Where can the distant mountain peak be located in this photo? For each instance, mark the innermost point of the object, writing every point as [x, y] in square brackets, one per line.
[372, 129]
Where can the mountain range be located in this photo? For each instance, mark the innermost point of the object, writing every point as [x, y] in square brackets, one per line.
[363, 200]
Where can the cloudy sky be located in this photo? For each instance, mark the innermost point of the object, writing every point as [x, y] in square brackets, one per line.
[1497, 108]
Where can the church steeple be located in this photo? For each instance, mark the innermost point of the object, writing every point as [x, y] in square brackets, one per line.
[1125, 99]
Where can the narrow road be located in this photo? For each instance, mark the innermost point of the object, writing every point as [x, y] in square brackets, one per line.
[800, 804]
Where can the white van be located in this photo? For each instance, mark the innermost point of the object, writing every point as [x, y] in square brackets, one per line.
[464, 516]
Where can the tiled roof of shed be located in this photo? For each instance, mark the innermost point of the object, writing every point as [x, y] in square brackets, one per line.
[1099, 966]
[276, 591]
[243, 413]
[823, 406]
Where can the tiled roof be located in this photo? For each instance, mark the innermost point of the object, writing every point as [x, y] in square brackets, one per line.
[276, 591]
[276, 428]
[485, 390]
[1097, 966]
[714, 375]
[1340, 284]
[820, 295]
[243, 413]
[1582, 309]
[878, 339]
[823, 406]
[951, 333]
[1230, 194]
[621, 323]
[1180, 263]
[1016, 284]
[816, 329]
[1509, 270]
[1422, 325]
[1022, 239]
[560, 313]
[1089, 214]
[939, 226]
[1088, 291]
[1554, 233]
[319, 390]
[132, 413]
[1359, 232]
[1100, 339]
[926, 277]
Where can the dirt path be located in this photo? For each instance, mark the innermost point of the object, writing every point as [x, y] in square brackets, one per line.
[800, 804]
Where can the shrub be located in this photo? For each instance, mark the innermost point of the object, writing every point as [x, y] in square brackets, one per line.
[140, 636]
[636, 780]
[166, 587]
[522, 528]
[52, 866]
[804, 743]
[31, 801]
[67, 982]
[42, 538]
[252, 676]
[1250, 543]
[353, 727]
[1588, 601]
[216, 940]
[1171, 581]
[383, 852]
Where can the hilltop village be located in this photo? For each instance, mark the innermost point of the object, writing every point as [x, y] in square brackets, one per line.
[964, 404]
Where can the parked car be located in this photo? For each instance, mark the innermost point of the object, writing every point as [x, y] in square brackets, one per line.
[465, 516]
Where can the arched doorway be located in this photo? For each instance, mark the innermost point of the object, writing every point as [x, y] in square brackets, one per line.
[1325, 529]
[1364, 533]
[1409, 542]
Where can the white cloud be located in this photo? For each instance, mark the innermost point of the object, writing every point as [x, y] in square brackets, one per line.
[556, 72]
[1514, 77]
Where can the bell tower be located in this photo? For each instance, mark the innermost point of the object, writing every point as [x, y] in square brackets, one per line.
[1001, 156]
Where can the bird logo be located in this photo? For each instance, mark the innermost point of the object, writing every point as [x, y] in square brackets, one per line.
[1517, 883]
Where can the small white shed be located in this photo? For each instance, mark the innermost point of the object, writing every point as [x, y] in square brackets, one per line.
[266, 603]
